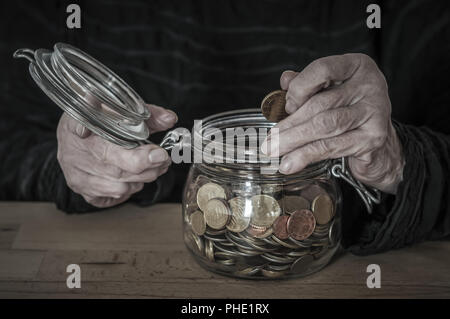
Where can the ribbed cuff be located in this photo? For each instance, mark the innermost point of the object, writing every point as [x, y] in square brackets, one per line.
[394, 220]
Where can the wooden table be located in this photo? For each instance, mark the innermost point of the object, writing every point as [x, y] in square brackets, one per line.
[138, 252]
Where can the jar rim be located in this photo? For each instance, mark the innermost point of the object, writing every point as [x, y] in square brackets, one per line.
[251, 118]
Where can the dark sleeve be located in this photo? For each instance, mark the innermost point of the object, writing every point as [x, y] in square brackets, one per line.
[420, 210]
[416, 64]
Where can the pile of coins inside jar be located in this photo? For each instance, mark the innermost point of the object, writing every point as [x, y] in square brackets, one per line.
[261, 230]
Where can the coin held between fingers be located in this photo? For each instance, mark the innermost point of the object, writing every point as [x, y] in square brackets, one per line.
[273, 106]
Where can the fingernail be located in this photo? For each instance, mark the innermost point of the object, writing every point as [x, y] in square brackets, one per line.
[290, 107]
[157, 155]
[170, 117]
[285, 166]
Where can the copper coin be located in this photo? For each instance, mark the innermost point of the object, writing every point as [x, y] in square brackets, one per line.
[312, 192]
[291, 203]
[323, 209]
[280, 227]
[301, 224]
[259, 232]
[273, 106]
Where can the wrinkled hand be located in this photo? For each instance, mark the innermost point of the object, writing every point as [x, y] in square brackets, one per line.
[106, 174]
[339, 106]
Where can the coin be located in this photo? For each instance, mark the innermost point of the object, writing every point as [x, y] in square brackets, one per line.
[301, 224]
[323, 209]
[267, 233]
[194, 241]
[302, 264]
[265, 210]
[249, 271]
[278, 259]
[312, 192]
[280, 227]
[271, 188]
[291, 203]
[273, 106]
[209, 250]
[284, 243]
[335, 233]
[272, 273]
[217, 213]
[201, 180]
[278, 267]
[208, 191]
[213, 232]
[198, 223]
[259, 232]
[238, 221]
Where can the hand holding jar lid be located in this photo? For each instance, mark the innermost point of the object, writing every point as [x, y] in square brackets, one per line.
[107, 167]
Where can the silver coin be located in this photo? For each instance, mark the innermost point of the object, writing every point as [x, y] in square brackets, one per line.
[335, 233]
[302, 264]
[209, 191]
[209, 250]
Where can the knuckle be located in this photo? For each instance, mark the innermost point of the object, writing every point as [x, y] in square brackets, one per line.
[378, 137]
[321, 147]
[364, 58]
[153, 175]
[294, 91]
[115, 172]
[105, 152]
[379, 140]
[120, 189]
[321, 65]
[319, 103]
[325, 123]
[369, 87]
[137, 187]
[135, 164]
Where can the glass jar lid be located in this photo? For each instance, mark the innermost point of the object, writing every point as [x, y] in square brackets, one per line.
[89, 92]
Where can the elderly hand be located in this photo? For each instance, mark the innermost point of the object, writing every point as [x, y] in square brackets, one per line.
[339, 106]
[106, 174]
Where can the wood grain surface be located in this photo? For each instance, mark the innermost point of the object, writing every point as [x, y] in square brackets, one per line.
[135, 252]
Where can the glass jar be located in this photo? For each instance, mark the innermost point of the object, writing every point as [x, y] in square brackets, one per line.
[241, 222]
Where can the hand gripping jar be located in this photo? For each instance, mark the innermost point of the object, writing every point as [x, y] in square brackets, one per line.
[241, 221]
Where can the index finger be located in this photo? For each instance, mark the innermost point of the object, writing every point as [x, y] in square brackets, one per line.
[318, 75]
